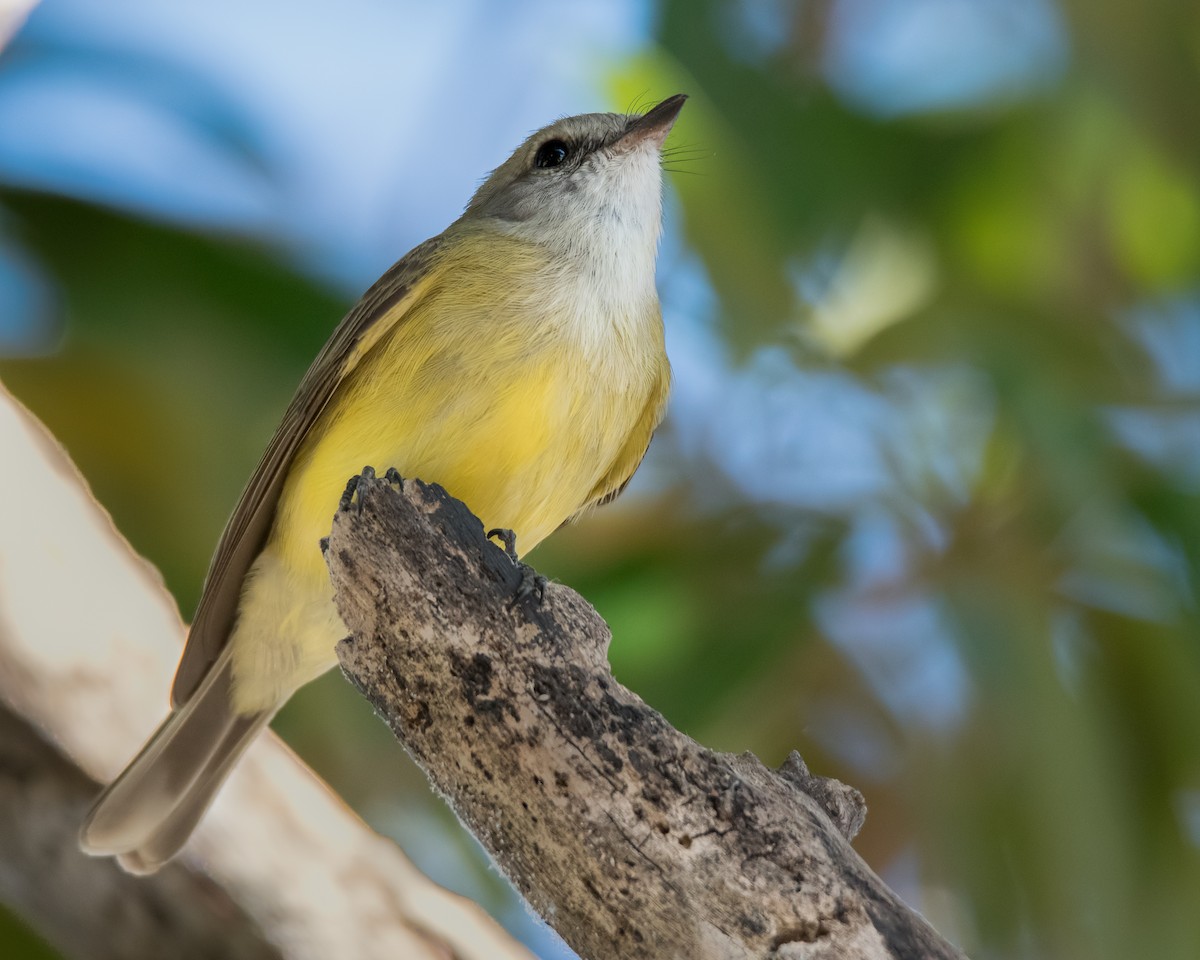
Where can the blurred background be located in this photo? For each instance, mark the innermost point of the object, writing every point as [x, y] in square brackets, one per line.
[926, 506]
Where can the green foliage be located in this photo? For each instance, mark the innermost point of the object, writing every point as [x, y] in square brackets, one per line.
[18, 942]
[179, 354]
[1057, 816]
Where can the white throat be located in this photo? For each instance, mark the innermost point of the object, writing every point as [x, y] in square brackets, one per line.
[605, 232]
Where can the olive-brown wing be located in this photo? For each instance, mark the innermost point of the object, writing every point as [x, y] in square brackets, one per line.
[383, 306]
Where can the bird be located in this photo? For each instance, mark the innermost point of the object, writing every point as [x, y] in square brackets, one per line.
[518, 359]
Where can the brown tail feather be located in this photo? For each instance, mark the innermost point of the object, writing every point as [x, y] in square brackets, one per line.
[147, 814]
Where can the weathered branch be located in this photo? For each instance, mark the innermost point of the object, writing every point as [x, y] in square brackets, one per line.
[631, 839]
[88, 642]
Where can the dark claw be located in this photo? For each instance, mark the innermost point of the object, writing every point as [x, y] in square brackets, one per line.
[393, 476]
[348, 493]
[352, 485]
[509, 539]
[532, 583]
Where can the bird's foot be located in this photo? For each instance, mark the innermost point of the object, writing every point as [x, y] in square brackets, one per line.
[391, 475]
[508, 540]
[532, 583]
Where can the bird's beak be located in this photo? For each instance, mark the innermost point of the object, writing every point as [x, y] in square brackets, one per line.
[653, 125]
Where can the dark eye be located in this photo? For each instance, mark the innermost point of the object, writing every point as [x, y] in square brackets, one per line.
[552, 153]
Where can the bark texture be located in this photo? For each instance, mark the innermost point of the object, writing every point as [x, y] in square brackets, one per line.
[631, 839]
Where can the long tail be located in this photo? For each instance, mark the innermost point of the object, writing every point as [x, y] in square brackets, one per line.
[147, 814]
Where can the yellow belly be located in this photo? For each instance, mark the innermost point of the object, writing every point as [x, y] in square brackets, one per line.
[511, 414]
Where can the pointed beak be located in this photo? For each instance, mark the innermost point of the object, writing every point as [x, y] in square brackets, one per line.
[653, 125]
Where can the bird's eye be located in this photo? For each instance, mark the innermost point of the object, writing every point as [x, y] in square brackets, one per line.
[552, 153]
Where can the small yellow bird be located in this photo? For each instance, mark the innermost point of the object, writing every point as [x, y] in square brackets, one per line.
[517, 359]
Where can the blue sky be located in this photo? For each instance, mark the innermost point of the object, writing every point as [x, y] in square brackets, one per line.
[347, 133]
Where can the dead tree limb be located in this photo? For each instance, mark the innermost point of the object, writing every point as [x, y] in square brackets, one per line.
[631, 839]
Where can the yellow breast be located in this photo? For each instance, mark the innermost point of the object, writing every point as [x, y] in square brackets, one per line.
[497, 384]
[505, 381]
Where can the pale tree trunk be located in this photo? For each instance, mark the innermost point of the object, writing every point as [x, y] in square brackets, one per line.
[88, 644]
[12, 15]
